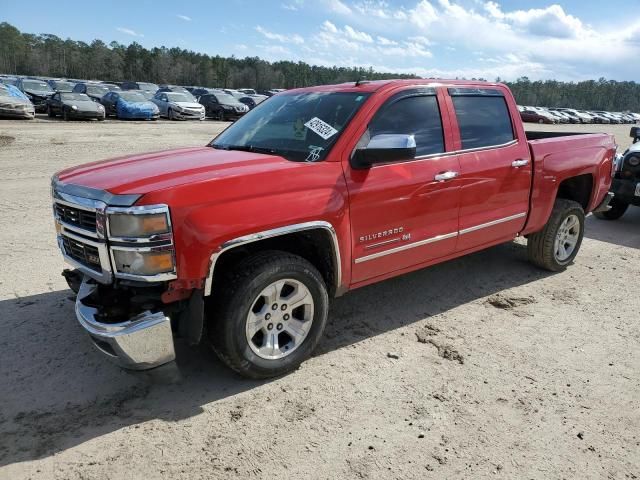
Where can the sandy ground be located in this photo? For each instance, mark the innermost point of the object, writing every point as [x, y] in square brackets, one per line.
[502, 370]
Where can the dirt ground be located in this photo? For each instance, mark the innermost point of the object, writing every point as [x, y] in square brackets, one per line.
[482, 367]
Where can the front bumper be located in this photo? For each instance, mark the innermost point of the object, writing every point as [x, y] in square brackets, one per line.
[624, 191]
[144, 341]
[85, 115]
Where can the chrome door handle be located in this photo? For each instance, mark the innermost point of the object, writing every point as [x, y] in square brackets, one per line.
[443, 177]
[519, 163]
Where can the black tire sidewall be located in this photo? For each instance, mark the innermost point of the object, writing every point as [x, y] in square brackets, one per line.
[616, 211]
[561, 217]
[234, 339]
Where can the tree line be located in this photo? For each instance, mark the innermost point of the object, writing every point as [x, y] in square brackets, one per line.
[49, 55]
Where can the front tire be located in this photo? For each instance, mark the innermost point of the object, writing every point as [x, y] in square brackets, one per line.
[614, 213]
[555, 246]
[65, 115]
[50, 113]
[271, 314]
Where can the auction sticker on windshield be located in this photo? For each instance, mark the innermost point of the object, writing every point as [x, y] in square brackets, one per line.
[323, 129]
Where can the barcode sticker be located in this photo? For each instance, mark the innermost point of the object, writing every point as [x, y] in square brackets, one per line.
[321, 128]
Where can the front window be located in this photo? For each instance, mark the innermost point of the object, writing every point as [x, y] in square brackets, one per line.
[151, 87]
[179, 97]
[36, 86]
[75, 97]
[297, 126]
[225, 98]
[97, 90]
[132, 96]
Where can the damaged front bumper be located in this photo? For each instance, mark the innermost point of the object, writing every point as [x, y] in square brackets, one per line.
[142, 342]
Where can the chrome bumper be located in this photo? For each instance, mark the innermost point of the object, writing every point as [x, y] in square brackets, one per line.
[144, 341]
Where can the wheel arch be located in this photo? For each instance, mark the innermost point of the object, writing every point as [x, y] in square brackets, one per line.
[316, 241]
[578, 188]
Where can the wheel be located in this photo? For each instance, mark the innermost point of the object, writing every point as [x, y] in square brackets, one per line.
[221, 115]
[541, 121]
[65, 115]
[557, 244]
[170, 114]
[270, 316]
[50, 112]
[615, 212]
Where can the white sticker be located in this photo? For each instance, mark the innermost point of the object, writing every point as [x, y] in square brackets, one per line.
[323, 129]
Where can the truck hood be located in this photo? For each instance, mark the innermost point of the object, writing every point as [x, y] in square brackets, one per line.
[145, 173]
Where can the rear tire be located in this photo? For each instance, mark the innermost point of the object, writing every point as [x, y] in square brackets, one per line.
[65, 115]
[614, 213]
[270, 299]
[555, 246]
[50, 113]
[221, 115]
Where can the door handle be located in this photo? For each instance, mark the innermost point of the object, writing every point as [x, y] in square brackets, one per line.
[520, 163]
[443, 177]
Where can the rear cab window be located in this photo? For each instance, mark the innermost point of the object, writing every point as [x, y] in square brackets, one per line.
[483, 117]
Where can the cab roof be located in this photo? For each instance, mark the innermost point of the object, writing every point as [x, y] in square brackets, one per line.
[375, 85]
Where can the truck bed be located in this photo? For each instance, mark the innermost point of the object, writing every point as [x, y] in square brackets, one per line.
[537, 135]
[557, 156]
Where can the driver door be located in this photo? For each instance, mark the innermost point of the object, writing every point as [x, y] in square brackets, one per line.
[405, 213]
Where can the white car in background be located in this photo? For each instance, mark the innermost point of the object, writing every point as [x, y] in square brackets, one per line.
[178, 106]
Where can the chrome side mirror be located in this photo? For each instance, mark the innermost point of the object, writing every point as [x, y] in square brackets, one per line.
[384, 148]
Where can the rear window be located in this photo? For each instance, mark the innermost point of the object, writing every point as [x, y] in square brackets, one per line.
[483, 119]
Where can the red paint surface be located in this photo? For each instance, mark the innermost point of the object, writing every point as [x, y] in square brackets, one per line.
[216, 195]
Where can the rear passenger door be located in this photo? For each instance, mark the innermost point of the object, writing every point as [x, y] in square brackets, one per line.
[495, 167]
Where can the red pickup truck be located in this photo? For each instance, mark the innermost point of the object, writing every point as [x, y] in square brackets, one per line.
[243, 242]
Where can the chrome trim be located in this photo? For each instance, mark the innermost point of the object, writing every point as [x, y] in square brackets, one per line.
[604, 205]
[492, 223]
[87, 193]
[437, 238]
[105, 265]
[489, 147]
[408, 246]
[276, 232]
[142, 342]
[381, 244]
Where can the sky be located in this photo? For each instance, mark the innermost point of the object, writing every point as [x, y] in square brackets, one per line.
[567, 40]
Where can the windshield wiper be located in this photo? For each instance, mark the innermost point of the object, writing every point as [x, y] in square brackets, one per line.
[244, 148]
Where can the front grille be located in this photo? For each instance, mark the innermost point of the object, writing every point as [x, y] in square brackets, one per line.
[77, 217]
[86, 254]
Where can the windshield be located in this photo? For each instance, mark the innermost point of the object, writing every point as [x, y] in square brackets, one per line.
[78, 97]
[299, 127]
[225, 98]
[97, 90]
[180, 97]
[36, 86]
[132, 97]
[64, 86]
[151, 87]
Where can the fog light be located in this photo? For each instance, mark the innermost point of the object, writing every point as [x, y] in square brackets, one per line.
[135, 262]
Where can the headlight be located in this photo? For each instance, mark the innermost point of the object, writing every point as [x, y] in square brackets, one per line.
[140, 262]
[74, 107]
[634, 161]
[142, 225]
[99, 107]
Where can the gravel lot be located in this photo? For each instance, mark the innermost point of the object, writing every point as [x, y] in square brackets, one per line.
[482, 367]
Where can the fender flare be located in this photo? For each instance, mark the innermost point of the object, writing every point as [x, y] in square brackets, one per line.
[276, 232]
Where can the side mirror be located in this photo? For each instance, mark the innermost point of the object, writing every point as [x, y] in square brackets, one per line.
[635, 134]
[384, 148]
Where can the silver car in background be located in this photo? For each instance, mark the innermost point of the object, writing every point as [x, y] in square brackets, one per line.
[14, 104]
[178, 106]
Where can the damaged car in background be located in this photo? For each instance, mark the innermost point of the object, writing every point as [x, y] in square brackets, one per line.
[178, 106]
[14, 103]
[70, 105]
[37, 91]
